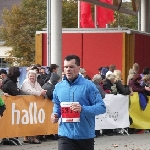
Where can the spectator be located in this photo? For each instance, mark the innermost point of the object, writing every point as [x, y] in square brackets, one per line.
[30, 86]
[9, 84]
[111, 70]
[3, 74]
[146, 71]
[39, 67]
[52, 68]
[99, 69]
[83, 73]
[103, 73]
[97, 80]
[50, 85]
[43, 73]
[39, 79]
[121, 89]
[109, 85]
[133, 71]
[134, 83]
[146, 83]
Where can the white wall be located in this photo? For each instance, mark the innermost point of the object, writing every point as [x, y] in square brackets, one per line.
[3, 50]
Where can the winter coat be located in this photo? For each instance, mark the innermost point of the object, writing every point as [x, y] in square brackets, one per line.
[122, 89]
[109, 87]
[29, 88]
[85, 92]
[50, 85]
[9, 86]
[136, 87]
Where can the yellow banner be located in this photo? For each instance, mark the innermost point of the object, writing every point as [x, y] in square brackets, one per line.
[141, 119]
[26, 116]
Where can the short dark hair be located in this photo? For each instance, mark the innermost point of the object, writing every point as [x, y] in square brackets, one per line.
[77, 59]
[3, 71]
[13, 73]
[146, 70]
[33, 68]
[52, 67]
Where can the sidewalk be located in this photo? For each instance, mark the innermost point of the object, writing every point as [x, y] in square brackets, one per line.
[117, 142]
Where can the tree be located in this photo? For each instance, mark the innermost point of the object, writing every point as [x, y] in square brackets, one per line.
[125, 20]
[69, 14]
[19, 28]
[22, 22]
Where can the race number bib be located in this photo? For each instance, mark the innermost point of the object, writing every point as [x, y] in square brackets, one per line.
[67, 114]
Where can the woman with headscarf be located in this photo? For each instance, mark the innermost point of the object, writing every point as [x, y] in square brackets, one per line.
[30, 86]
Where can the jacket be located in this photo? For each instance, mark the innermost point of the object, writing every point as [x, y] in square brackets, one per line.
[102, 92]
[109, 87]
[50, 85]
[10, 87]
[122, 89]
[28, 88]
[136, 87]
[86, 93]
[50, 88]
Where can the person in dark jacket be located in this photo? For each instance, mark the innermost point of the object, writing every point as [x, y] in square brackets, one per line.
[9, 84]
[43, 73]
[109, 85]
[135, 84]
[52, 68]
[121, 89]
[50, 85]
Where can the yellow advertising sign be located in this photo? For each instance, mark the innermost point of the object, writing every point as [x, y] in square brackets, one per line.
[141, 119]
[27, 116]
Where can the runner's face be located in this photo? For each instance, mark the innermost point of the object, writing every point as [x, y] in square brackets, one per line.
[71, 69]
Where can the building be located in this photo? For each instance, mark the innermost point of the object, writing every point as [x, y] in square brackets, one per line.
[3, 49]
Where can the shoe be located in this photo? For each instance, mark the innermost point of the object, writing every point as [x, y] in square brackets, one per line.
[37, 142]
[26, 141]
[140, 132]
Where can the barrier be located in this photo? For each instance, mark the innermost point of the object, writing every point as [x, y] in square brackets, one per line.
[116, 115]
[26, 116]
[141, 119]
[30, 115]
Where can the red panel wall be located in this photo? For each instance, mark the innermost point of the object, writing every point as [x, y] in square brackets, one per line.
[102, 49]
[71, 44]
[142, 51]
[44, 49]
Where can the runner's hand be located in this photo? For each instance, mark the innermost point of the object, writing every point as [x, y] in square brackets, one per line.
[76, 107]
[54, 118]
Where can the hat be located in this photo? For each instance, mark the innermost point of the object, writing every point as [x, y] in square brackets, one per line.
[104, 71]
[100, 68]
[3, 71]
[54, 78]
[82, 70]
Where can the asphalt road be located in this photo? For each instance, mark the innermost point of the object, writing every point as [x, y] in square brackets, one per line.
[117, 142]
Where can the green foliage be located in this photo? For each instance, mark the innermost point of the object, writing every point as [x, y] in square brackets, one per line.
[69, 14]
[125, 20]
[19, 28]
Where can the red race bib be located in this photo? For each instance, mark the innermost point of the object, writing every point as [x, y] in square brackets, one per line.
[67, 114]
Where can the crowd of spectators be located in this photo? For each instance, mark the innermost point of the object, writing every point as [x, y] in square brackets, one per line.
[108, 80]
